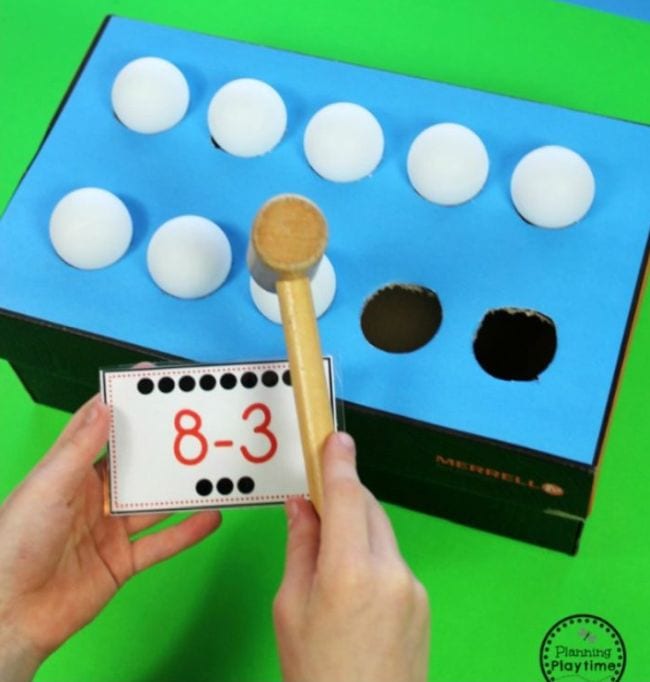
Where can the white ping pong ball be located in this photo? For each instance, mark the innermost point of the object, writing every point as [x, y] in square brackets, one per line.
[150, 95]
[552, 187]
[448, 164]
[323, 289]
[90, 228]
[189, 256]
[247, 117]
[343, 142]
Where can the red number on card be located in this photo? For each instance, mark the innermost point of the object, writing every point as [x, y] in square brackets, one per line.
[262, 428]
[194, 432]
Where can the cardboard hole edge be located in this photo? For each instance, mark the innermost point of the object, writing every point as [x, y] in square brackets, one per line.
[401, 317]
[515, 344]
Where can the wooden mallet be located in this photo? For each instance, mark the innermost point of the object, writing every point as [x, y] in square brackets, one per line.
[288, 240]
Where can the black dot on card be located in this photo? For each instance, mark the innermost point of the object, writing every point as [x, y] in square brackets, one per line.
[186, 384]
[225, 486]
[145, 386]
[166, 385]
[228, 381]
[249, 380]
[270, 378]
[204, 487]
[207, 382]
[245, 485]
[286, 377]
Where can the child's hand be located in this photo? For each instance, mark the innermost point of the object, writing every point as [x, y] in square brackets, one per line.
[349, 608]
[61, 559]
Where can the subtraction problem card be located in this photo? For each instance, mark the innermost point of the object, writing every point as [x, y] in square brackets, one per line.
[190, 437]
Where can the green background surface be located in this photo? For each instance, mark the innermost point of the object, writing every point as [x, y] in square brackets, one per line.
[206, 615]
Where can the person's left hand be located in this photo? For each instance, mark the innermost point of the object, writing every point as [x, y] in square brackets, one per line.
[61, 559]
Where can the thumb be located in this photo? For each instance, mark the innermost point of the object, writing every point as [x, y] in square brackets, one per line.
[70, 458]
[302, 546]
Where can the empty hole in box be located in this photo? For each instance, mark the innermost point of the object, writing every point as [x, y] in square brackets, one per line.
[400, 318]
[515, 344]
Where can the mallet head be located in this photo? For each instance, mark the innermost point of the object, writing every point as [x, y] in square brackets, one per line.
[288, 240]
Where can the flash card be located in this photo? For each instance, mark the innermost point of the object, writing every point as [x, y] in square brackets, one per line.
[188, 437]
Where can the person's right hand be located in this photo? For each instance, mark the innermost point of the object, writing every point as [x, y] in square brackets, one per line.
[349, 609]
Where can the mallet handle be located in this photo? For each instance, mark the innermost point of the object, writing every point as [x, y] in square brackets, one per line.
[307, 377]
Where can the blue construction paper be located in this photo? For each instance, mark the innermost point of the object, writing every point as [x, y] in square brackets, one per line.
[635, 9]
[477, 256]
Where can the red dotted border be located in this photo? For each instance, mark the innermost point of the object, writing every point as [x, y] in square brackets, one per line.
[209, 503]
[112, 448]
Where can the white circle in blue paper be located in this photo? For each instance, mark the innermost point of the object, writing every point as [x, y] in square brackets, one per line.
[150, 95]
[247, 117]
[553, 187]
[189, 256]
[90, 228]
[323, 290]
[344, 142]
[448, 164]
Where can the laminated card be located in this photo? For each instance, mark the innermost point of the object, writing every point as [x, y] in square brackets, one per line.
[185, 437]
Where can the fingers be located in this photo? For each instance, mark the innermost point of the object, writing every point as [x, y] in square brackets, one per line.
[353, 521]
[68, 461]
[302, 546]
[157, 547]
[73, 425]
[383, 543]
[344, 518]
[144, 364]
[139, 522]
